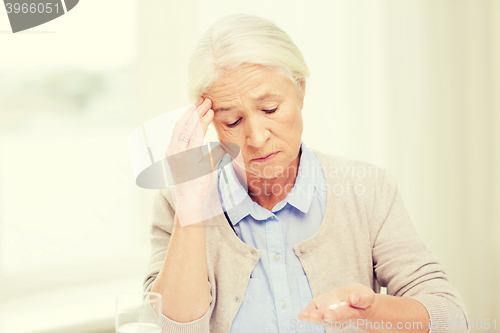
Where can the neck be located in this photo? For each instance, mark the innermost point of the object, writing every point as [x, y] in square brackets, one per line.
[267, 192]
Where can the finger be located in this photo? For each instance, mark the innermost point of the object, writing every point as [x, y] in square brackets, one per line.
[206, 120]
[304, 314]
[180, 125]
[322, 310]
[204, 107]
[198, 135]
[315, 316]
[341, 313]
[192, 127]
[201, 106]
[200, 128]
[205, 115]
[193, 130]
[209, 161]
[345, 312]
[217, 154]
[199, 101]
[330, 315]
[360, 300]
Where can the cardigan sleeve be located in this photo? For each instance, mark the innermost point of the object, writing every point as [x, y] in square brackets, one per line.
[161, 228]
[404, 265]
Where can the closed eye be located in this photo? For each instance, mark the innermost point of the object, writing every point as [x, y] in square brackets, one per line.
[238, 121]
[270, 111]
[234, 124]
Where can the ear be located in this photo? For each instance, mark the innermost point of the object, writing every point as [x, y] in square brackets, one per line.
[303, 86]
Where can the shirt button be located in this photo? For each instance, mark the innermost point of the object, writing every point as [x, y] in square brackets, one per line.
[276, 257]
[272, 217]
[283, 304]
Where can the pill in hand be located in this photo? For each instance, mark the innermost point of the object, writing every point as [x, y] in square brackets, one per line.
[335, 306]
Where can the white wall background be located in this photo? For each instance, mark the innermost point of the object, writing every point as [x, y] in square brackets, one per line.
[71, 237]
[412, 86]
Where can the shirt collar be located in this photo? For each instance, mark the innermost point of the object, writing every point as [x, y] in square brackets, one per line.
[238, 204]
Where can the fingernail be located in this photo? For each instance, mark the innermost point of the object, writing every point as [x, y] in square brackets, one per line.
[355, 299]
[343, 303]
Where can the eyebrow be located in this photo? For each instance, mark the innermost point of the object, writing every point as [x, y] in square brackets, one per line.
[223, 109]
[257, 99]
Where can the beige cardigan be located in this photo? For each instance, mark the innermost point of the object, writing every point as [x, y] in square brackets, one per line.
[366, 237]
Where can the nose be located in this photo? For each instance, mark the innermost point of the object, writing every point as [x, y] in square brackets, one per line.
[256, 132]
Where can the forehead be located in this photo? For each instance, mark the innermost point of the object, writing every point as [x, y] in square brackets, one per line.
[255, 82]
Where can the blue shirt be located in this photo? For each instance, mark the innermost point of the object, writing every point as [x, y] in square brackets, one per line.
[278, 288]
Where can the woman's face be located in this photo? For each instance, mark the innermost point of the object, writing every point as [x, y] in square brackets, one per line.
[261, 111]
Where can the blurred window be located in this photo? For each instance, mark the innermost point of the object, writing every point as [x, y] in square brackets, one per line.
[69, 212]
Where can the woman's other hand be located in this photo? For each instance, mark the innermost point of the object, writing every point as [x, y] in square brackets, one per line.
[353, 302]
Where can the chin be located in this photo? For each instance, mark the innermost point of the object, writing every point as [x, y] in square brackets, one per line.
[267, 171]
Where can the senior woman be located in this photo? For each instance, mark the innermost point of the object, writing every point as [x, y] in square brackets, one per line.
[306, 239]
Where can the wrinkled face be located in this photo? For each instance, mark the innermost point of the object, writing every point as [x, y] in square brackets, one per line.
[260, 110]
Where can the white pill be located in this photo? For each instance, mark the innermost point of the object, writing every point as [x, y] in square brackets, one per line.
[333, 306]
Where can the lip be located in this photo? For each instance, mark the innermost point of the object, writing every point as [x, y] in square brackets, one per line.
[266, 158]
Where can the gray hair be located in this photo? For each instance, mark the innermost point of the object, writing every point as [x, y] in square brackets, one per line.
[241, 39]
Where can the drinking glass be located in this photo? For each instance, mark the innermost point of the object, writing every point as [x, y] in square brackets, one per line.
[138, 313]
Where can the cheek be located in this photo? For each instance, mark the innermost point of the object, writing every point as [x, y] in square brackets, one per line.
[298, 123]
[296, 118]
[289, 122]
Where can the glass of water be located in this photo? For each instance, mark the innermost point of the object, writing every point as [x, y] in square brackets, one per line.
[138, 313]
